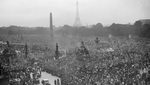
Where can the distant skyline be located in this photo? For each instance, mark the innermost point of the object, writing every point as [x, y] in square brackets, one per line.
[34, 13]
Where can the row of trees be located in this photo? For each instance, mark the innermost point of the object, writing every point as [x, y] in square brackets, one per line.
[143, 30]
[17, 30]
[138, 28]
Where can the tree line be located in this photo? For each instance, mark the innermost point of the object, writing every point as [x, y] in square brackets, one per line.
[138, 29]
[18, 30]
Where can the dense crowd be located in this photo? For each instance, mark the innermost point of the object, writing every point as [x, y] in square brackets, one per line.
[127, 64]
[100, 61]
[17, 67]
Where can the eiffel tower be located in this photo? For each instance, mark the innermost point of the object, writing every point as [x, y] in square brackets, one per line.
[77, 22]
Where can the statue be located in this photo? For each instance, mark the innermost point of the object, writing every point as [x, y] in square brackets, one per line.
[56, 52]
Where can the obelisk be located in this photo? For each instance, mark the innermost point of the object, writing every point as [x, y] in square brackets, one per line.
[51, 31]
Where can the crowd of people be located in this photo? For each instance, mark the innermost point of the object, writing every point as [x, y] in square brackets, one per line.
[17, 67]
[99, 61]
[127, 64]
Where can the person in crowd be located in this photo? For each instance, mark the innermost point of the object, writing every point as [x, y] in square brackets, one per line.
[8, 44]
[96, 40]
[7, 49]
[55, 82]
[58, 83]
[83, 49]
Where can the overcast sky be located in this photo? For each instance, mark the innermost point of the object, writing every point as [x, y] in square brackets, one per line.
[36, 12]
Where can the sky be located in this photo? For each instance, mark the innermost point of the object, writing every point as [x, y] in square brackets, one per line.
[34, 13]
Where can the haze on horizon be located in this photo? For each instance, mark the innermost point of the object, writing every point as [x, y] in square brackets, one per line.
[36, 12]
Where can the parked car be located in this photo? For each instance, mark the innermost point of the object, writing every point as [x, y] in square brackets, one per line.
[45, 82]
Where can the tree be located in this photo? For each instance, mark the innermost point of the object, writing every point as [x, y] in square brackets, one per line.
[138, 24]
[98, 26]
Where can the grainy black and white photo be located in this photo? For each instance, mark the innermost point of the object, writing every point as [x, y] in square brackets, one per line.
[74, 42]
